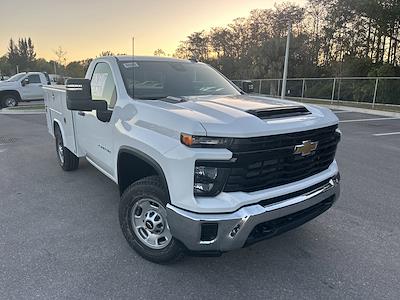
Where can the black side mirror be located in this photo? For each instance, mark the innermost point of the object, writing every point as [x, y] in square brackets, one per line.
[247, 86]
[25, 82]
[79, 96]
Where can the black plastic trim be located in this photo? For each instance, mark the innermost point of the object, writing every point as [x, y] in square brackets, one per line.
[139, 154]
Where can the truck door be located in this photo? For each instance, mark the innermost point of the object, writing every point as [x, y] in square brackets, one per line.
[33, 90]
[95, 137]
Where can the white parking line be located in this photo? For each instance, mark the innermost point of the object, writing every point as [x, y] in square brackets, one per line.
[365, 120]
[388, 133]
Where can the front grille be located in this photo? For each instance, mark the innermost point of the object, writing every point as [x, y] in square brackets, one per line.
[269, 161]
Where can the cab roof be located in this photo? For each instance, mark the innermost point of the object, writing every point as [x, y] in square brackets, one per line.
[148, 58]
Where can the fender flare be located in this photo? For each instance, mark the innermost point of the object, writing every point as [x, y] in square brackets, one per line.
[6, 92]
[58, 123]
[152, 162]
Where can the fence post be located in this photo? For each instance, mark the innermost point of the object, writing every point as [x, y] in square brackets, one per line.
[279, 87]
[259, 87]
[376, 89]
[302, 88]
[333, 90]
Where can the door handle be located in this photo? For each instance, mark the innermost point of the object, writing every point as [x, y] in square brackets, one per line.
[81, 113]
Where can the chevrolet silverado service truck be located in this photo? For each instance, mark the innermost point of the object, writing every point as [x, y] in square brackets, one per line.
[200, 165]
[22, 87]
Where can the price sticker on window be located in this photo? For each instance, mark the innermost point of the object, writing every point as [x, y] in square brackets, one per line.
[98, 84]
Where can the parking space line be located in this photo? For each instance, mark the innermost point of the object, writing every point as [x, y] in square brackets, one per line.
[342, 111]
[387, 133]
[365, 120]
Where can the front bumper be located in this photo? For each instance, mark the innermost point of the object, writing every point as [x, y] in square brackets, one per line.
[250, 223]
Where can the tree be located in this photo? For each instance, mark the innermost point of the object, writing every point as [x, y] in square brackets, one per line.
[21, 54]
[106, 53]
[61, 55]
[159, 52]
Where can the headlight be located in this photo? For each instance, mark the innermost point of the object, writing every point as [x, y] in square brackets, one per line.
[195, 141]
[208, 181]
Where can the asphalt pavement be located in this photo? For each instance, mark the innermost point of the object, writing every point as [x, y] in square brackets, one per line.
[60, 237]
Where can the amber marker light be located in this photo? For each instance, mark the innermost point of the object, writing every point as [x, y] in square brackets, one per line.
[186, 139]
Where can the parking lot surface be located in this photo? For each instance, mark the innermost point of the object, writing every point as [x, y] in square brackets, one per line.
[60, 237]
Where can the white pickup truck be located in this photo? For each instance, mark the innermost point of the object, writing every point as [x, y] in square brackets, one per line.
[22, 87]
[201, 166]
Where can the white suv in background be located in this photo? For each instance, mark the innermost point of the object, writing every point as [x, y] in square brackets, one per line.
[22, 87]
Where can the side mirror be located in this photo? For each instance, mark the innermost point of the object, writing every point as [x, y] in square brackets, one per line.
[248, 86]
[79, 96]
[25, 82]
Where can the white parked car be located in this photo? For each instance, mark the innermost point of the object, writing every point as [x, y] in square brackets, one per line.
[22, 87]
[201, 166]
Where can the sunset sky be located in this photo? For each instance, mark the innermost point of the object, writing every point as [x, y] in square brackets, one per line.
[85, 28]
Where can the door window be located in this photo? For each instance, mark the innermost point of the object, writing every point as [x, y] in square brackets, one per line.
[103, 85]
[34, 79]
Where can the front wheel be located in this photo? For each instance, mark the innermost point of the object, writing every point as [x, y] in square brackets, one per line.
[10, 101]
[143, 220]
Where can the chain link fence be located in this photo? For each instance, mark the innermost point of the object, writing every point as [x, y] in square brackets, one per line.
[364, 90]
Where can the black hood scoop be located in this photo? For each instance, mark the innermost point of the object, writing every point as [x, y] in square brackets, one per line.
[280, 112]
[173, 100]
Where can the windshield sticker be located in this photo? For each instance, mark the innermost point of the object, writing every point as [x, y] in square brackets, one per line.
[131, 65]
[98, 83]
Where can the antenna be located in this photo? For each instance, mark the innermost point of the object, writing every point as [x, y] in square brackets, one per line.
[133, 67]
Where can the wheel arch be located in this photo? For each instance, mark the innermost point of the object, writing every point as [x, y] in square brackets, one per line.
[57, 123]
[128, 156]
[10, 92]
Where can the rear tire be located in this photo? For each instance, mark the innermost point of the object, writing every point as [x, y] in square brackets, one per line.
[10, 101]
[143, 220]
[67, 160]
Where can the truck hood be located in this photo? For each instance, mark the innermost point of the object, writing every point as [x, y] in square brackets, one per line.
[236, 116]
[6, 85]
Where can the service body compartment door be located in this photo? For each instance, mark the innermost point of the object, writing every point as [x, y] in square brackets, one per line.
[57, 112]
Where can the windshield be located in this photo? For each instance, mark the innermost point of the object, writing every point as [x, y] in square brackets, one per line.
[160, 79]
[16, 77]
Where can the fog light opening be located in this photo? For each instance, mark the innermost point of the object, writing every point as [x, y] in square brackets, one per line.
[209, 232]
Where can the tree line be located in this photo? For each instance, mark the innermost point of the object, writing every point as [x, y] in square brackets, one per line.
[329, 38]
[21, 57]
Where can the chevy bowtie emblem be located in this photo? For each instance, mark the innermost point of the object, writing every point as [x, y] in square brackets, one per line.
[306, 148]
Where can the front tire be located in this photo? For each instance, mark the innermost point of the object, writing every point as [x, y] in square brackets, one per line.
[67, 160]
[10, 101]
[143, 220]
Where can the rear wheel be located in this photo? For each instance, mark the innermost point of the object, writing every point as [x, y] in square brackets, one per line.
[67, 160]
[10, 101]
[143, 220]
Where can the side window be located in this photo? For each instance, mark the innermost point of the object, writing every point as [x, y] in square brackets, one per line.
[103, 85]
[34, 79]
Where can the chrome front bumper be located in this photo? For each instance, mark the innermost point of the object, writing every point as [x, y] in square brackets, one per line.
[235, 230]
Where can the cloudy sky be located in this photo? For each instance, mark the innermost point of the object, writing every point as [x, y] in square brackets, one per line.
[84, 28]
